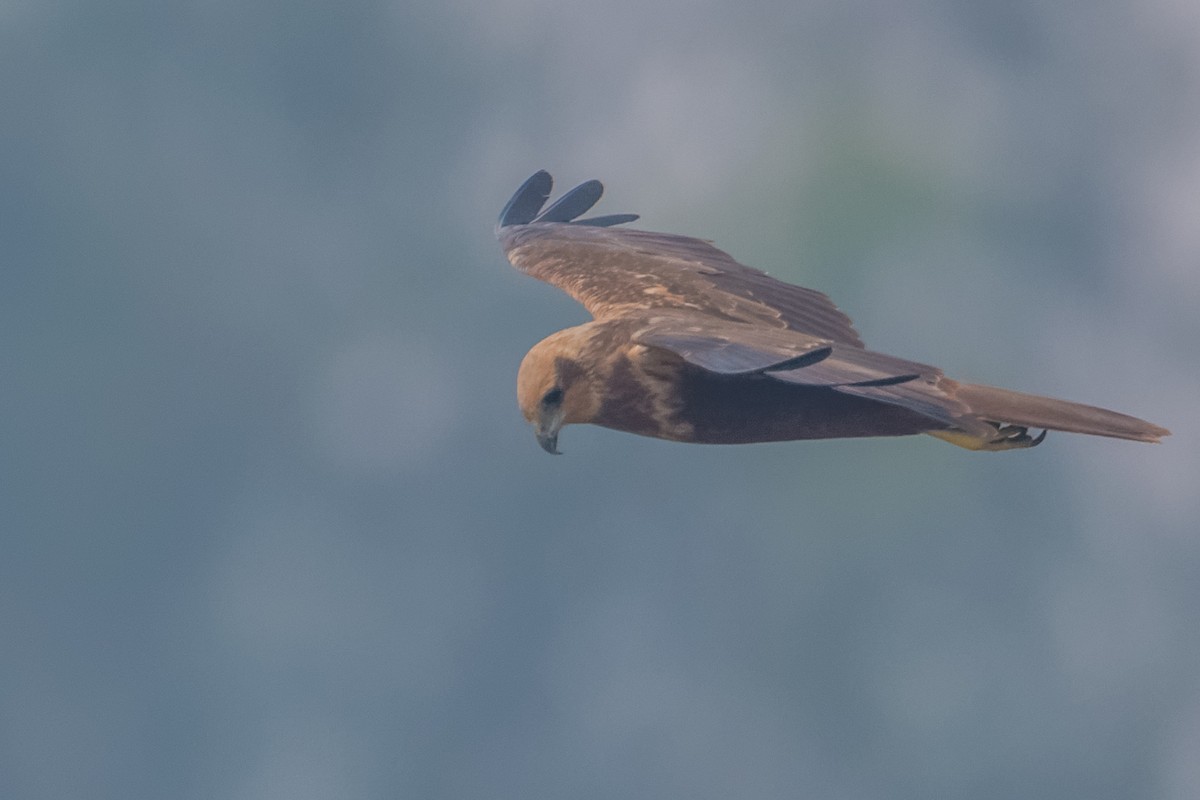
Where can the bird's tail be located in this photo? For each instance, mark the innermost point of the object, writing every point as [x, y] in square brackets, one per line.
[1032, 411]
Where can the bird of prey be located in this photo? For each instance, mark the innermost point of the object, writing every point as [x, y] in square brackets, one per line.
[689, 345]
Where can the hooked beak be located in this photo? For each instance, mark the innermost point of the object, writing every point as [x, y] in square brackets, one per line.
[549, 442]
[546, 430]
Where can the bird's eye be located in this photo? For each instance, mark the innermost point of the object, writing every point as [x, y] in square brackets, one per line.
[552, 397]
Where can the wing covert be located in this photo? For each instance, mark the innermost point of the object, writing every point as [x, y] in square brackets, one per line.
[615, 271]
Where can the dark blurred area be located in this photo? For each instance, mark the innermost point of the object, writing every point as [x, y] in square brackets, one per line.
[274, 528]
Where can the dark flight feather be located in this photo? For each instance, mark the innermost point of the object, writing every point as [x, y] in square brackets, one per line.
[573, 203]
[528, 200]
[606, 220]
[730, 357]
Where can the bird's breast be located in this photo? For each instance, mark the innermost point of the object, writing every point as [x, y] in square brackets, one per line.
[642, 394]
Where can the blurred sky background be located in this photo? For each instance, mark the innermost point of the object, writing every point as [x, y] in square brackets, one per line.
[273, 527]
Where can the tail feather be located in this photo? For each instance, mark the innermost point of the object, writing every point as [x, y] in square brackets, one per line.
[1016, 408]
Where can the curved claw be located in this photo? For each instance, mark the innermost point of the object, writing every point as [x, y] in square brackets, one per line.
[1016, 436]
[1008, 437]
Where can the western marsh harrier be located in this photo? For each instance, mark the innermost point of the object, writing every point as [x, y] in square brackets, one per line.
[687, 344]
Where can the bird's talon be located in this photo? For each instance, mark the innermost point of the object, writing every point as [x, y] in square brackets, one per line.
[1013, 437]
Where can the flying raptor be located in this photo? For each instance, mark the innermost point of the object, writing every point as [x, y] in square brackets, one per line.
[689, 345]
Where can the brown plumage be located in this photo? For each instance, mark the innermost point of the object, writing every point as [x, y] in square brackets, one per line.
[687, 344]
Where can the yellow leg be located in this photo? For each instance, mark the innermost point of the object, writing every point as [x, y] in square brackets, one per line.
[1008, 437]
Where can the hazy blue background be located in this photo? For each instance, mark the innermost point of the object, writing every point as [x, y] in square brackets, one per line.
[272, 526]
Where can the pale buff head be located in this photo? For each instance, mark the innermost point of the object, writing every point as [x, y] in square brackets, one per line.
[556, 384]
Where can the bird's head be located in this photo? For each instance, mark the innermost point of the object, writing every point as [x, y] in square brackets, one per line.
[555, 385]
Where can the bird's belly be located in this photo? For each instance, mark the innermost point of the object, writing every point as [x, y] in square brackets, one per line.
[740, 410]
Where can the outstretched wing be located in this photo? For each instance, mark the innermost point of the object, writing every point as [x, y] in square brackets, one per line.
[620, 271]
[735, 349]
